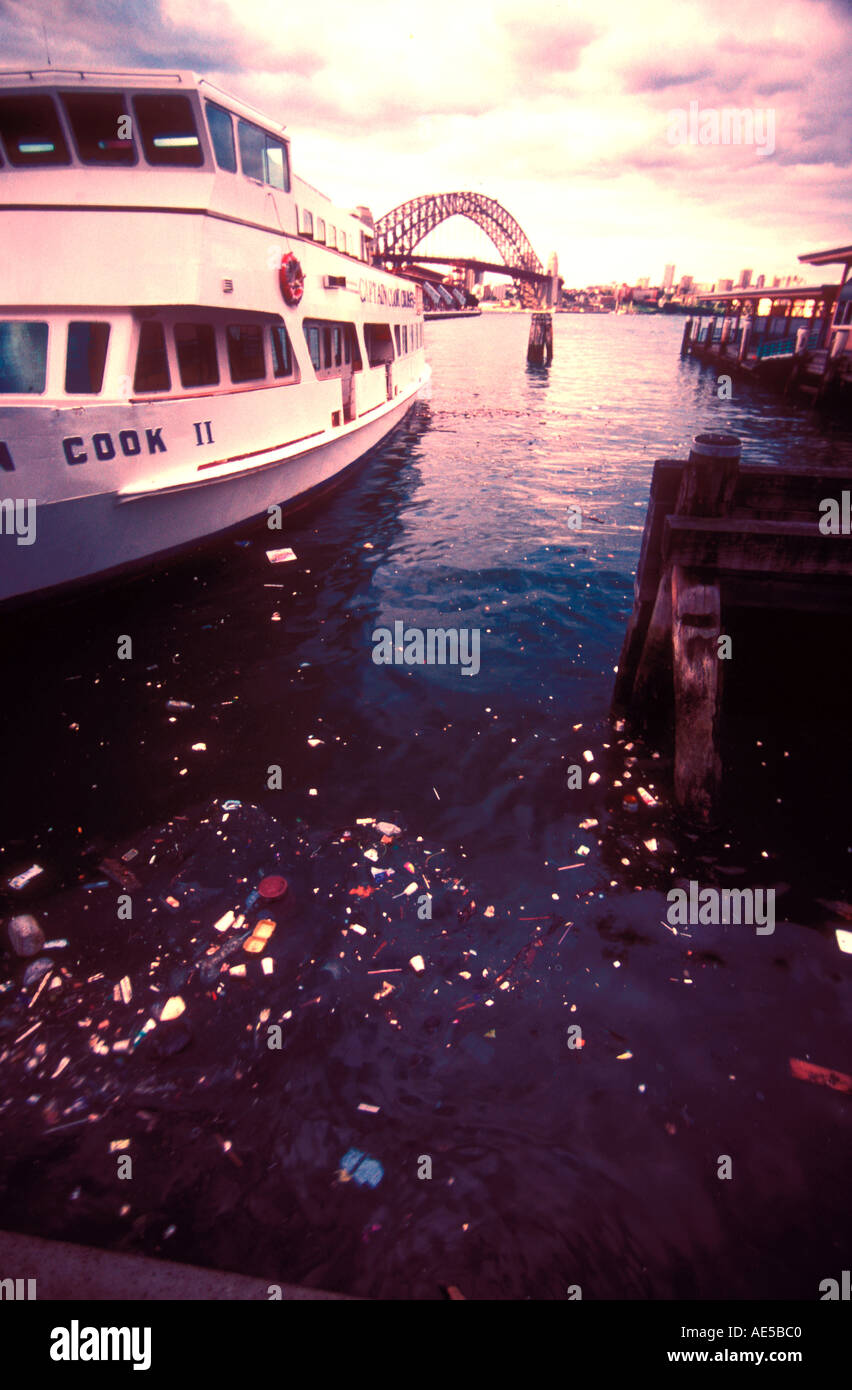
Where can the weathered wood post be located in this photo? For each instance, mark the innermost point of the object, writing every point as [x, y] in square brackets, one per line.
[687, 337]
[745, 334]
[706, 490]
[540, 346]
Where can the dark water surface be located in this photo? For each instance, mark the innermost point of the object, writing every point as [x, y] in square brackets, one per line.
[552, 1166]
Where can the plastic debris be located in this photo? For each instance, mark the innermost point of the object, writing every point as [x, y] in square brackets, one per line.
[388, 828]
[281, 556]
[26, 937]
[821, 1076]
[21, 880]
[273, 886]
[648, 799]
[369, 1109]
[588, 755]
[844, 940]
[179, 704]
[417, 964]
[36, 970]
[360, 1168]
[173, 1008]
[225, 922]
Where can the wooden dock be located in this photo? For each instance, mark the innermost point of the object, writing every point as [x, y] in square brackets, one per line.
[719, 535]
[806, 358]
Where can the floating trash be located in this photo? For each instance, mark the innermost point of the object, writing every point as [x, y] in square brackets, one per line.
[21, 880]
[272, 887]
[361, 1168]
[821, 1076]
[280, 556]
[26, 937]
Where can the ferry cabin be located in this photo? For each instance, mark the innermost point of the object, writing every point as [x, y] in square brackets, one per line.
[181, 317]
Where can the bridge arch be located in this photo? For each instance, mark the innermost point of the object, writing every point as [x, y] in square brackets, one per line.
[402, 229]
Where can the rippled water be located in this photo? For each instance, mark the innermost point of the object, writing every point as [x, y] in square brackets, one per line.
[552, 1166]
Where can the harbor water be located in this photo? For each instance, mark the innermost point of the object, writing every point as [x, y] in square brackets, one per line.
[552, 1166]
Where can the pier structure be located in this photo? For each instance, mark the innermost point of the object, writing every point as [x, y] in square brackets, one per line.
[720, 535]
[785, 339]
[797, 339]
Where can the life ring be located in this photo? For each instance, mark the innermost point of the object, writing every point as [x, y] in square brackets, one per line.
[291, 278]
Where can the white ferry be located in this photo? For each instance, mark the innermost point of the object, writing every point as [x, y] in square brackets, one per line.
[190, 335]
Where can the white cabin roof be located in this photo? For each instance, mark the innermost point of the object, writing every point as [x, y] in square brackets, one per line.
[135, 79]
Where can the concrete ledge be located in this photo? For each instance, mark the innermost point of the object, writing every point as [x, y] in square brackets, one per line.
[66, 1272]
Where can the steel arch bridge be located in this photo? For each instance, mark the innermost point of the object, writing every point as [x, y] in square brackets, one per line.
[399, 231]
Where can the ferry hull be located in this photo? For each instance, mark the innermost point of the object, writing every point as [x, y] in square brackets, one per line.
[107, 533]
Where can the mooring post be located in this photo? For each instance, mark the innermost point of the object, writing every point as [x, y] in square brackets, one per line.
[696, 627]
[540, 346]
[744, 337]
[687, 338]
[707, 489]
[709, 476]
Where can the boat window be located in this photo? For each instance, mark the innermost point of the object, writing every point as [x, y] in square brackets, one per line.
[196, 352]
[396, 335]
[332, 235]
[342, 240]
[405, 337]
[379, 343]
[31, 131]
[327, 358]
[23, 357]
[252, 142]
[222, 137]
[245, 352]
[167, 127]
[338, 345]
[282, 354]
[84, 365]
[263, 157]
[277, 168]
[307, 223]
[101, 126]
[152, 361]
[312, 335]
[320, 230]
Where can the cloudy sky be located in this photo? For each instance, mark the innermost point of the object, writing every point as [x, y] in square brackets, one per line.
[562, 112]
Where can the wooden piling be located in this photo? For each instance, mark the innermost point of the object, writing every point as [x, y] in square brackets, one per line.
[719, 535]
[540, 346]
[687, 338]
[695, 631]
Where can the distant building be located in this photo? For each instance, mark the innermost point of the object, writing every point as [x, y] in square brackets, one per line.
[668, 277]
[643, 283]
[724, 286]
[760, 282]
[744, 280]
[684, 284]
